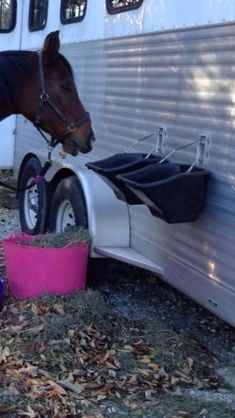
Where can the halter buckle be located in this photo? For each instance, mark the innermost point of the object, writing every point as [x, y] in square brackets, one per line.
[44, 97]
[71, 128]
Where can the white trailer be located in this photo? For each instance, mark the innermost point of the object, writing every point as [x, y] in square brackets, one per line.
[141, 66]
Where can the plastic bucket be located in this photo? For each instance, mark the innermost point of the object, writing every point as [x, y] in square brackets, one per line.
[109, 168]
[170, 191]
[35, 271]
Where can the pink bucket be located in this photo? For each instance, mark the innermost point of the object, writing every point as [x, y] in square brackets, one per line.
[35, 271]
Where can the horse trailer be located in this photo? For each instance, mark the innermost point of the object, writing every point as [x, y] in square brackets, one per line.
[158, 78]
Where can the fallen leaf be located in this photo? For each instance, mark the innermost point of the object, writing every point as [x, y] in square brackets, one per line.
[6, 408]
[140, 348]
[59, 308]
[154, 366]
[145, 360]
[30, 413]
[148, 395]
[34, 309]
[131, 405]
[101, 397]
[29, 349]
[58, 390]
[74, 387]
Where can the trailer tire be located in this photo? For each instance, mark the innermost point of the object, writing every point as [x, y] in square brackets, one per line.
[34, 202]
[68, 206]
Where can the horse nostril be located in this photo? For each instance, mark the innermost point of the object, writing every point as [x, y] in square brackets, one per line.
[91, 137]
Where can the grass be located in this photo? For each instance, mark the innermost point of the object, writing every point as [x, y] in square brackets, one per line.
[58, 240]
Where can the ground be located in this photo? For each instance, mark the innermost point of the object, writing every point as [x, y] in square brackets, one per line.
[128, 346]
[105, 352]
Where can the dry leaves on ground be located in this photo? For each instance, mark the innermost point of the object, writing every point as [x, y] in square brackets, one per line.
[66, 356]
[69, 356]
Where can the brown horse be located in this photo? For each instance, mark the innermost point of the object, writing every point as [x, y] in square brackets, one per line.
[41, 86]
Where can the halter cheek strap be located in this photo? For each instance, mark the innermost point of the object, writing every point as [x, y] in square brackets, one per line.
[70, 127]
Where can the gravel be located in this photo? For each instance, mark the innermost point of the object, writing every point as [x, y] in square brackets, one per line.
[9, 221]
[139, 295]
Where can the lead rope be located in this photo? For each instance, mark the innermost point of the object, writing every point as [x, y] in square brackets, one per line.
[39, 177]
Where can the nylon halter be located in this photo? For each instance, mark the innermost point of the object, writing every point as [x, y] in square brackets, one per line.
[70, 127]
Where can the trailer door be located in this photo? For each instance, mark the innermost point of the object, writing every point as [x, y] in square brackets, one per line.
[10, 38]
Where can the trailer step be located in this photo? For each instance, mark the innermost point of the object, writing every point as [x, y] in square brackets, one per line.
[128, 255]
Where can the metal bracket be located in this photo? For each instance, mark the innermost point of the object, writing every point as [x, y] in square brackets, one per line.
[161, 136]
[161, 133]
[203, 150]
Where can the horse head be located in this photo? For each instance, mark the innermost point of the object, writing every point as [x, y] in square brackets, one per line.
[52, 101]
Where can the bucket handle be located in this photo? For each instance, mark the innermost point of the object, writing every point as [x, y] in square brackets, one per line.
[202, 152]
[159, 146]
[139, 140]
[177, 149]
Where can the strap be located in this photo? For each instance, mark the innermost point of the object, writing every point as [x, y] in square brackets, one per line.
[41, 73]
[37, 179]
[45, 98]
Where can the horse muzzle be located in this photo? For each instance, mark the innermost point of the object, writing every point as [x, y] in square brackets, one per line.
[74, 144]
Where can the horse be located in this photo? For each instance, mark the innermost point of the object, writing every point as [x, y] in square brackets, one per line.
[40, 86]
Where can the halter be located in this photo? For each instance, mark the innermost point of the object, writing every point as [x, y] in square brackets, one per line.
[70, 127]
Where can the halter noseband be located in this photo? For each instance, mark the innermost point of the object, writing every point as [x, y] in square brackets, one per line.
[70, 127]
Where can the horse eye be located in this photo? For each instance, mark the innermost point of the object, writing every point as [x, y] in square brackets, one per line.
[66, 88]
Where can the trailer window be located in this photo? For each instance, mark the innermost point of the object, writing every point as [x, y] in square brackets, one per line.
[72, 10]
[37, 14]
[7, 15]
[118, 6]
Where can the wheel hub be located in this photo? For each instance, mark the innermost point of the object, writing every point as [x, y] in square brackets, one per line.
[65, 216]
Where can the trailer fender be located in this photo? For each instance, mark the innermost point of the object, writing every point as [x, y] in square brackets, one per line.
[108, 217]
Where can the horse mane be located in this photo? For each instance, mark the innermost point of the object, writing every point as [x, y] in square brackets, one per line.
[12, 61]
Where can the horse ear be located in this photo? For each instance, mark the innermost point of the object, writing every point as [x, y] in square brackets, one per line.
[51, 46]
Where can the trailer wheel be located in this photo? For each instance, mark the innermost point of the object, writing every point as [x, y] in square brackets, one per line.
[68, 206]
[33, 203]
